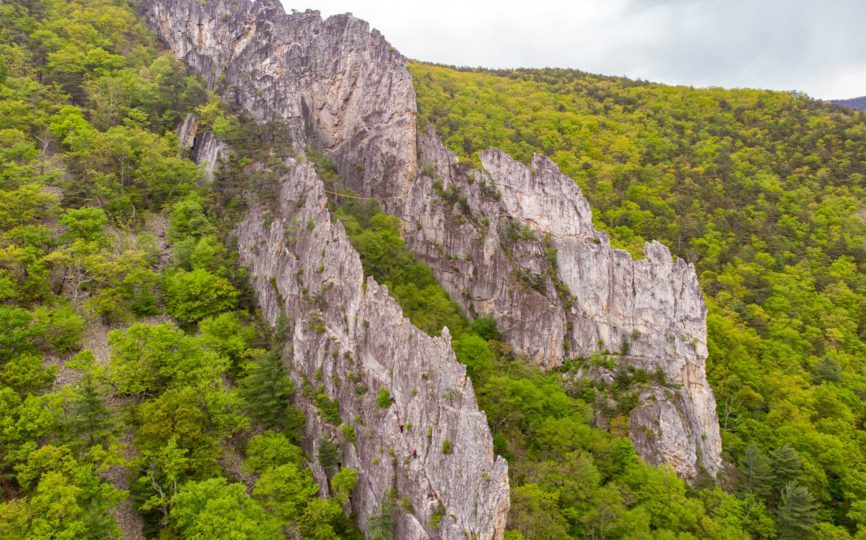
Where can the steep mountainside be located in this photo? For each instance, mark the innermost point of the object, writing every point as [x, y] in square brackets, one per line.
[353, 96]
[253, 286]
[764, 193]
[334, 83]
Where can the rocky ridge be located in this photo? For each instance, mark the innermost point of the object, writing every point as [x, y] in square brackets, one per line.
[430, 451]
[348, 339]
[335, 83]
[509, 241]
[518, 243]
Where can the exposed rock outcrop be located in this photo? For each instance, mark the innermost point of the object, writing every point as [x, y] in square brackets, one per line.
[518, 243]
[510, 241]
[348, 339]
[430, 449]
[207, 149]
[335, 83]
[650, 311]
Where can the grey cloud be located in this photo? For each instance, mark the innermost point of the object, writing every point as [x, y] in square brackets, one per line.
[807, 45]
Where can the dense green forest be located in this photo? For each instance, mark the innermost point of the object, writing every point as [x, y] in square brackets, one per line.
[128, 340]
[764, 192]
[568, 479]
[138, 385]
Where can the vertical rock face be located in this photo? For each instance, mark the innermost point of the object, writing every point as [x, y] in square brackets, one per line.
[336, 83]
[518, 243]
[349, 339]
[651, 311]
[510, 241]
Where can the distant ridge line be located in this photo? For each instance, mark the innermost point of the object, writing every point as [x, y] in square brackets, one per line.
[858, 103]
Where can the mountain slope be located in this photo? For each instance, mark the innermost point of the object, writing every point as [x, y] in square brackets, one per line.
[268, 355]
[328, 92]
[858, 103]
[763, 191]
[109, 242]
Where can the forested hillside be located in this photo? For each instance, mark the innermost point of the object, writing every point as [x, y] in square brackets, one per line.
[137, 389]
[764, 192]
[142, 395]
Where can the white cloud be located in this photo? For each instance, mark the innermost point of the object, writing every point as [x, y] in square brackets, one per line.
[808, 45]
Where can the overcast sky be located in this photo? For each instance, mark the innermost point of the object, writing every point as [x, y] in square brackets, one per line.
[815, 46]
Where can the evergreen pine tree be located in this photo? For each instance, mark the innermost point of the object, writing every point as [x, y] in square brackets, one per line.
[786, 466]
[797, 512]
[268, 392]
[89, 421]
[755, 473]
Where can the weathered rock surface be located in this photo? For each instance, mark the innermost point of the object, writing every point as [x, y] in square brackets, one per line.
[336, 83]
[510, 241]
[651, 311]
[206, 148]
[518, 243]
[349, 338]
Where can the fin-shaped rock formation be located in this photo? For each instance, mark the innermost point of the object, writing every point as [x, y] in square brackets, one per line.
[517, 242]
[350, 339]
[511, 241]
[347, 338]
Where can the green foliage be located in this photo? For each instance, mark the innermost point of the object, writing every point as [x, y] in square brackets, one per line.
[232, 338]
[85, 224]
[18, 334]
[382, 523]
[189, 220]
[343, 483]
[348, 432]
[285, 491]
[328, 408]
[114, 282]
[474, 352]
[447, 446]
[329, 453]
[61, 327]
[271, 449]
[436, 517]
[192, 296]
[88, 421]
[383, 398]
[534, 513]
[148, 358]
[213, 508]
[317, 521]
[762, 191]
[797, 512]
[88, 108]
[66, 499]
[268, 392]
[385, 256]
[755, 471]
[26, 374]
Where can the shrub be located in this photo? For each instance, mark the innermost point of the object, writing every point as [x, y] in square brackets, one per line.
[328, 454]
[328, 408]
[348, 433]
[447, 446]
[84, 223]
[384, 398]
[61, 327]
[192, 296]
